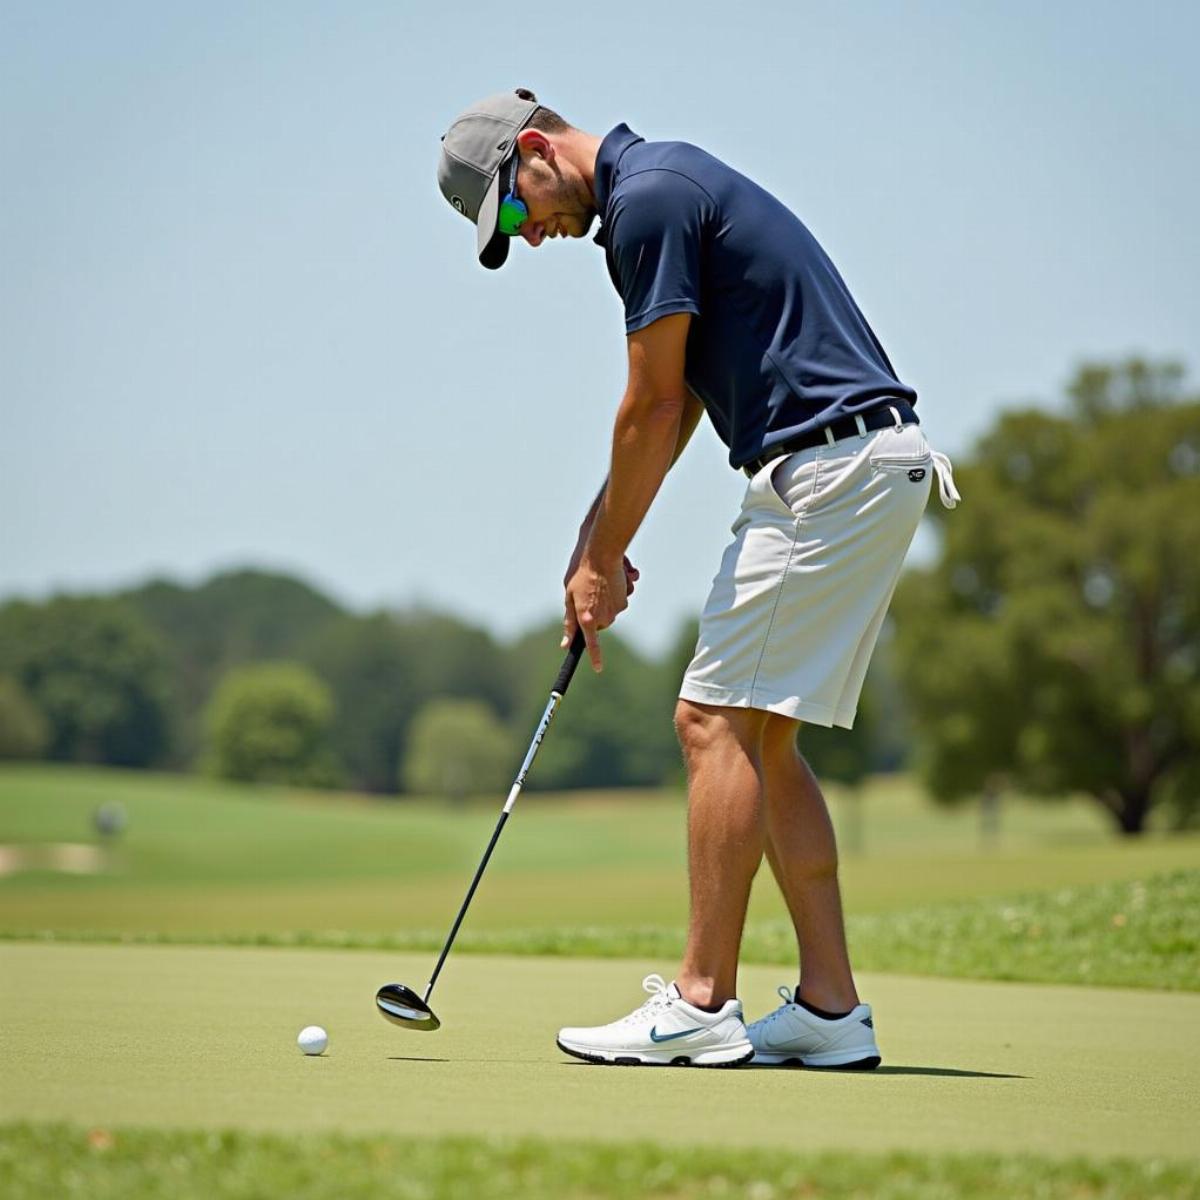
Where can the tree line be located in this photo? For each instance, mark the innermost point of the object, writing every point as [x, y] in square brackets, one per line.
[1052, 646]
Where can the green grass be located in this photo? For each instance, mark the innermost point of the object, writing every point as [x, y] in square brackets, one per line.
[204, 1038]
[138, 1164]
[1057, 898]
[187, 1053]
[1141, 933]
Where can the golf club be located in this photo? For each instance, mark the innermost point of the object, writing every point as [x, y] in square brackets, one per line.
[400, 1004]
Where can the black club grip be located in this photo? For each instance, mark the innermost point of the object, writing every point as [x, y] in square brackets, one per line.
[569, 664]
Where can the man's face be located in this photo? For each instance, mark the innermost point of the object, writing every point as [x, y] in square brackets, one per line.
[559, 201]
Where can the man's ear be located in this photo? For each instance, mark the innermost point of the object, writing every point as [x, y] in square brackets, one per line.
[535, 142]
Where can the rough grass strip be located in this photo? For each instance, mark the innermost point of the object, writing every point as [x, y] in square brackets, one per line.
[1139, 933]
[65, 1161]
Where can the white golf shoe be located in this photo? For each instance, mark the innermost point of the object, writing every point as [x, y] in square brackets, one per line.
[665, 1031]
[793, 1035]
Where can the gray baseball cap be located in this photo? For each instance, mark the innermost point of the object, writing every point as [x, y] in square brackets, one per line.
[474, 149]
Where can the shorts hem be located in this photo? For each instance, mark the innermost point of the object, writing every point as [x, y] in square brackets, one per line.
[745, 697]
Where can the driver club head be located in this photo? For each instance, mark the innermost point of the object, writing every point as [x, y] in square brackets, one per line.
[402, 1006]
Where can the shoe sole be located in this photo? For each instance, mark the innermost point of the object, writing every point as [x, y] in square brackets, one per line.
[813, 1064]
[705, 1059]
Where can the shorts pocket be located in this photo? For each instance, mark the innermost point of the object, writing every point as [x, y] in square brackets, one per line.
[763, 496]
[795, 484]
[901, 462]
[915, 466]
[760, 498]
[903, 452]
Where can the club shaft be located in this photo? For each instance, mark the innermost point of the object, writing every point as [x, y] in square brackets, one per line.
[518, 783]
[462, 912]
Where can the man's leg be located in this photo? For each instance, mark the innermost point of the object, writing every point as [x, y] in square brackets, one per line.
[803, 855]
[726, 837]
[701, 1024]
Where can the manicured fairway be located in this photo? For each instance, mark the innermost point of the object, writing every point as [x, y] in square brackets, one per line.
[204, 1037]
[203, 859]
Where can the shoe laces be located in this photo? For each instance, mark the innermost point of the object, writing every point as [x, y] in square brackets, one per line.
[789, 1000]
[660, 998]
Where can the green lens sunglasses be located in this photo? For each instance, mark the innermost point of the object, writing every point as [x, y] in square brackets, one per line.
[513, 213]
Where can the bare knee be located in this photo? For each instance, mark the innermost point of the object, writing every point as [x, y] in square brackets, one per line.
[697, 729]
[705, 729]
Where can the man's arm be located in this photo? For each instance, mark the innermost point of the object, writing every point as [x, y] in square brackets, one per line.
[654, 422]
[687, 426]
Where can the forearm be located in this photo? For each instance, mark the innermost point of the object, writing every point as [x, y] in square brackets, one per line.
[646, 441]
[693, 411]
[586, 527]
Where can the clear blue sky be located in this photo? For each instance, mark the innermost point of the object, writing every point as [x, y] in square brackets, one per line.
[238, 323]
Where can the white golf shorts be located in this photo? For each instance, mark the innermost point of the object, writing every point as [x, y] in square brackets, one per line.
[796, 608]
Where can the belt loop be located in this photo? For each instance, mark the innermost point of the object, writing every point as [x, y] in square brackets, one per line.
[862, 425]
[896, 415]
[829, 438]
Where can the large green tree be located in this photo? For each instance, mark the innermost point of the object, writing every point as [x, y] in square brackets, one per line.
[95, 672]
[614, 730]
[234, 617]
[1055, 645]
[385, 667]
[458, 748]
[370, 666]
[24, 732]
[270, 723]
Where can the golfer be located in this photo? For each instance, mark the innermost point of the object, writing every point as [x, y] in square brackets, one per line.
[731, 309]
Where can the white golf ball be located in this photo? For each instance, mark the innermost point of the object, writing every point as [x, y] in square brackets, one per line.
[312, 1040]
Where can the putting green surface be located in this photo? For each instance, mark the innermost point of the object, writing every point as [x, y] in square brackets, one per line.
[204, 1037]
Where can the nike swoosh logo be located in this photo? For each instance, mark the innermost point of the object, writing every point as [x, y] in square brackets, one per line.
[655, 1036]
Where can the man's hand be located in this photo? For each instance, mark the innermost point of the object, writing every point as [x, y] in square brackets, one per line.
[596, 594]
[632, 574]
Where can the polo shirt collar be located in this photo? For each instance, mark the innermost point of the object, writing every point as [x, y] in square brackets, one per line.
[608, 160]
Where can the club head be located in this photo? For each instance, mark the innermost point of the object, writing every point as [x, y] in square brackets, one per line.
[402, 1006]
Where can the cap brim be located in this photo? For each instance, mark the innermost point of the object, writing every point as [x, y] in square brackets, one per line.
[491, 244]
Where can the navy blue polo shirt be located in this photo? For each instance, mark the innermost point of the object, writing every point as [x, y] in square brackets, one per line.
[777, 347]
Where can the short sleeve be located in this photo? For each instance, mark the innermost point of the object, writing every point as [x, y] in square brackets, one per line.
[657, 229]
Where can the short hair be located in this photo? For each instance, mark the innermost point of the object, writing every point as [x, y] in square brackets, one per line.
[545, 120]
